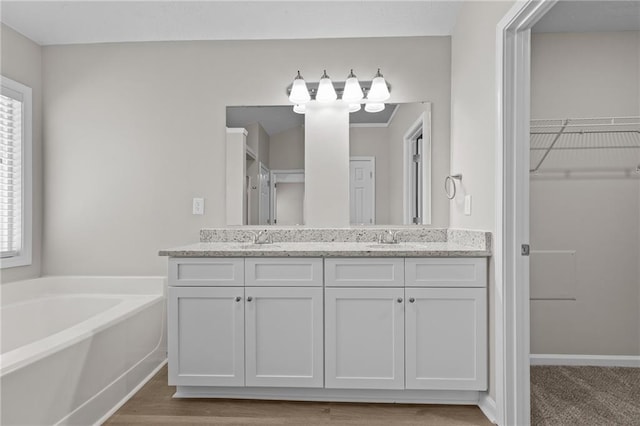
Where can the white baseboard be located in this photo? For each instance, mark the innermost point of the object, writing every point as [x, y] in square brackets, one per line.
[488, 407]
[338, 395]
[586, 360]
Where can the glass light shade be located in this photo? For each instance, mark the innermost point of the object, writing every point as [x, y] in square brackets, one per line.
[299, 92]
[374, 107]
[379, 91]
[352, 90]
[354, 107]
[299, 108]
[326, 92]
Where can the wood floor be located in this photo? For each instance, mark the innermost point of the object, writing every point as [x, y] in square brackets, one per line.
[153, 405]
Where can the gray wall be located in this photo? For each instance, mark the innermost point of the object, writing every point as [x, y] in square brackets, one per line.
[286, 149]
[473, 126]
[135, 130]
[587, 75]
[22, 61]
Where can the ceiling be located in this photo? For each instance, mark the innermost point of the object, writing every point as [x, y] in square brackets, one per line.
[77, 22]
[590, 16]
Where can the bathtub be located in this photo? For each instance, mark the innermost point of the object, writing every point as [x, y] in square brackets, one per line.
[73, 349]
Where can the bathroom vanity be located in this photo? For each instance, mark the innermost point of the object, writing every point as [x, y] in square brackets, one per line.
[324, 320]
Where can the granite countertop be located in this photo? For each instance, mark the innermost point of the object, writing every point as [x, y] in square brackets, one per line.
[328, 249]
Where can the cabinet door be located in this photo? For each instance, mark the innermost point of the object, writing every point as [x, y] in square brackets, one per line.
[284, 327]
[446, 338]
[206, 336]
[364, 338]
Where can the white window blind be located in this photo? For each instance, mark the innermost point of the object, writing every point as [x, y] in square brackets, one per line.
[11, 172]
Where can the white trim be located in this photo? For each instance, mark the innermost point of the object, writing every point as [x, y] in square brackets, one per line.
[512, 214]
[25, 256]
[590, 360]
[324, 394]
[421, 125]
[250, 152]
[379, 125]
[488, 407]
[237, 130]
[373, 195]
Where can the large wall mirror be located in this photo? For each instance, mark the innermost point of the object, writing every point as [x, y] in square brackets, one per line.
[389, 165]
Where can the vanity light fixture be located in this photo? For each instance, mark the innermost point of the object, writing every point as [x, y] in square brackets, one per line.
[374, 106]
[379, 91]
[326, 92]
[352, 90]
[299, 92]
[354, 107]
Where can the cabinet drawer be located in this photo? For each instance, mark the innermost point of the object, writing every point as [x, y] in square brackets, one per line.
[364, 272]
[283, 272]
[439, 272]
[206, 272]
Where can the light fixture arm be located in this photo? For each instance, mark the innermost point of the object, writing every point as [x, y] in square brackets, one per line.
[339, 87]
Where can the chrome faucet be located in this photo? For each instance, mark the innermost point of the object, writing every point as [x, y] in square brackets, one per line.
[262, 237]
[388, 237]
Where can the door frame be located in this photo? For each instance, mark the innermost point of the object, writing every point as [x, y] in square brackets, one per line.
[262, 168]
[421, 125]
[512, 322]
[372, 160]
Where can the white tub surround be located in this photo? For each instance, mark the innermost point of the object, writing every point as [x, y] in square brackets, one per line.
[341, 318]
[75, 347]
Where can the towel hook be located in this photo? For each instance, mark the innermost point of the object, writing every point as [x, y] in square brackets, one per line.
[450, 182]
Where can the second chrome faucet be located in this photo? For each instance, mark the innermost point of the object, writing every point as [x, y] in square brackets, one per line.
[388, 237]
[262, 237]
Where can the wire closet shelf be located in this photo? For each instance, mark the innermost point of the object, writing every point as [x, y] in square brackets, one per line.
[610, 144]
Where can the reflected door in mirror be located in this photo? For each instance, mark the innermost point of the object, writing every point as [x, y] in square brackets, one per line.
[362, 190]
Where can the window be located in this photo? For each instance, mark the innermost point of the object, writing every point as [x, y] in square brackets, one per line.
[15, 173]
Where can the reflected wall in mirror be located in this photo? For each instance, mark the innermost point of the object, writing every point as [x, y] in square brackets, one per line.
[389, 165]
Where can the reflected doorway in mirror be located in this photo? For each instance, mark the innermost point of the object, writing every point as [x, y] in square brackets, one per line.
[287, 197]
[362, 190]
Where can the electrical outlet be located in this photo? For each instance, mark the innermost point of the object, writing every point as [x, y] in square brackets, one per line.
[467, 205]
[198, 206]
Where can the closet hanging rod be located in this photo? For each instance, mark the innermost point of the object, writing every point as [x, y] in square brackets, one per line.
[612, 120]
[587, 147]
[579, 132]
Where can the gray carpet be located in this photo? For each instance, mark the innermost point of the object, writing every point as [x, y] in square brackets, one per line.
[590, 396]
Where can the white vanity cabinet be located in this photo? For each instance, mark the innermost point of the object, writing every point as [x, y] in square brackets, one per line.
[283, 327]
[364, 338]
[206, 336]
[364, 328]
[331, 328]
[446, 323]
[446, 338]
[410, 323]
[267, 334]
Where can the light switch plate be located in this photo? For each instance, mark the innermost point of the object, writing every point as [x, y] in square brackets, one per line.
[198, 206]
[467, 205]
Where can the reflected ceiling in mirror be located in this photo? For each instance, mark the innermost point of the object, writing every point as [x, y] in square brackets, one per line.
[277, 119]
